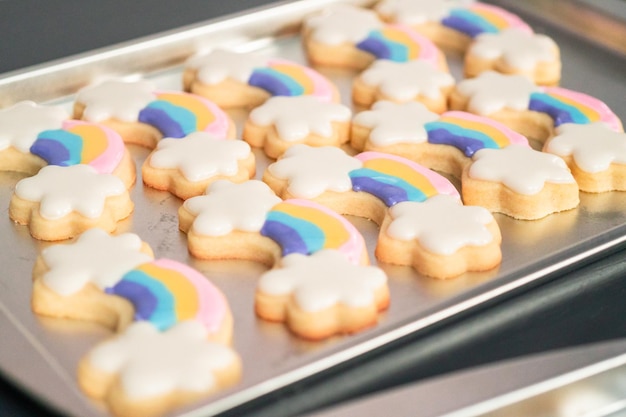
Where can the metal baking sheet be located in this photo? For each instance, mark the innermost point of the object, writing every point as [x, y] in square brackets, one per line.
[41, 354]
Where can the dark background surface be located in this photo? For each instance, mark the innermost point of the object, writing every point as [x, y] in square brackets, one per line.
[581, 307]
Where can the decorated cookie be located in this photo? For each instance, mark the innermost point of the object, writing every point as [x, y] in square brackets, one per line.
[444, 143]
[62, 202]
[363, 185]
[401, 82]
[19, 126]
[143, 371]
[69, 279]
[515, 51]
[440, 237]
[526, 108]
[233, 79]
[143, 115]
[323, 294]
[352, 37]
[281, 122]
[451, 24]
[594, 152]
[186, 166]
[519, 182]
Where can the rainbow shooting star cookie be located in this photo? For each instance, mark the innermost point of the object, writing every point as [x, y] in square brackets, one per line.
[143, 115]
[445, 143]
[19, 126]
[233, 79]
[348, 36]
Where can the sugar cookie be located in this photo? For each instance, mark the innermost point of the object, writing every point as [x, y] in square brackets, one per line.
[61, 202]
[186, 166]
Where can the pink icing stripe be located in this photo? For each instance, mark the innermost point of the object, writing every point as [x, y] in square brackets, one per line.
[110, 159]
[606, 114]
[212, 306]
[512, 20]
[322, 87]
[441, 183]
[513, 137]
[354, 249]
[428, 50]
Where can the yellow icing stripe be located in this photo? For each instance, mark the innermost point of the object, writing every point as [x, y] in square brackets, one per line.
[182, 290]
[492, 132]
[333, 229]
[492, 17]
[204, 115]
[397, 169]
[589, 112]
[297, 73]
[95, 141]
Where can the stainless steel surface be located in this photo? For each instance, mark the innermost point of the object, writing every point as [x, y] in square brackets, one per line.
[41, 354]
[583, 381]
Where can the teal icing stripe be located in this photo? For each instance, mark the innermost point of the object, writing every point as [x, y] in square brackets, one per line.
[312, 235]
[184, 117]
[164, 314]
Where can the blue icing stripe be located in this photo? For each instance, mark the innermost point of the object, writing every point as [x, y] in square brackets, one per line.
[382, 48]
[171, 120]
[58, 147]
[468, 22]
[152, 299]
[292, 234]
[559, 111]
[466, 140]
[276, 83]
[390, 189]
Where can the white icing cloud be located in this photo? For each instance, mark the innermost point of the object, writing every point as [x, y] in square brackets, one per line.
[61, 190]
[229, 206]
[117, 99]
[312, 171]
[22, 123]
[415, 12]
[220, 64]
[594, 146]
[153, 363]
[342, 23]
[441, 224]
[323, 280]
[95, 257]
[200, 156]
[396, 123]
[297, 117]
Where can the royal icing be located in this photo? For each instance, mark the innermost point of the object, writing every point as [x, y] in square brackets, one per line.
[115, 99]
[491, 91]
[95, 257]
[21, 123]
[311, 171]
[222, 64]
[470, 133]
[295, 118]
[394, 179]
[176, 114]
[415, 12]
[61, 190]
[151, 363]
[517, 48]
[165, 292]
[223, 210]
[306, 227]
[199, 155]
[567, 106]
[392, 123]
[477, 18]
[594, 146]
[400, 44]
[341, 24]
[441, 224]
[520, 168]
[81, 143]
[404, 81]
[323, 280]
